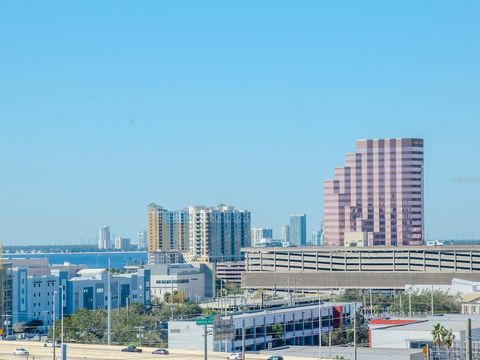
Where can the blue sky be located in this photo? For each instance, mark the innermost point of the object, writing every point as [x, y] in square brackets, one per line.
[108, 106]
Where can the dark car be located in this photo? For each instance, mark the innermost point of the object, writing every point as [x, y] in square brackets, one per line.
[160, 352]
[132, 348]
[275, 357]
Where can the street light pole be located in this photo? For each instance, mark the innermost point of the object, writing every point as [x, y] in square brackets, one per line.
[109, 306]
[54, 302]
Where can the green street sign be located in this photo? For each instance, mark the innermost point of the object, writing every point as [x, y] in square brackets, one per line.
[205, 320]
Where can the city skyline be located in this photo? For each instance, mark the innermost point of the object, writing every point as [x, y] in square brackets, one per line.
[231, 103]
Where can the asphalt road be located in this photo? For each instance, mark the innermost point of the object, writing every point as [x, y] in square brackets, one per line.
[93, 352]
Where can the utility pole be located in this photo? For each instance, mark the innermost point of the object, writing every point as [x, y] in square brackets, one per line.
[329, 343]
[409, 303]
[205, 342]
[243, 340]
[431, 305]
[54, 302]
[319, 330]
[127, 308]
[61, 312]
[109, 306]
[401, 308]
[355, 331]
[468, 340]
[371, 303]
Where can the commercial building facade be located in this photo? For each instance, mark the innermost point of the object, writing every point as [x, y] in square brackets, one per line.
[376, 267]
[187, 279]
[299, 326]
[377, 196]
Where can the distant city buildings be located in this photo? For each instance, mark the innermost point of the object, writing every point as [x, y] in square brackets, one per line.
[377, 197]
[104, 238]
[317, 238]
[298, 230]
[285, 231]
[261, 234]
[122, 243]
[142, 239]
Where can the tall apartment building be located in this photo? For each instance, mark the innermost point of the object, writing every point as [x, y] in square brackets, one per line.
[285, 231]
[298, 230]
[218, 234]
[167, 230]
[377, 197]
[104, 238]
[261, 234]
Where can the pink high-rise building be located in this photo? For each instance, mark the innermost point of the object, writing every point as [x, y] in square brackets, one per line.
[377, 197]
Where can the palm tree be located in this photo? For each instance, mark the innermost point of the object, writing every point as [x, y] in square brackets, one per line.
[437, 334]
[447, 339]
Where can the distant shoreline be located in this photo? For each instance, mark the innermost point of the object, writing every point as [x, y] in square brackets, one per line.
[74, 253]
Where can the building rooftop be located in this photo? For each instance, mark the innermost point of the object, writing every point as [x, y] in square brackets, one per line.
[455, 322]
[365, 248]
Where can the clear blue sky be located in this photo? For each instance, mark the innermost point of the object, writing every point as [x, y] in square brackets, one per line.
[106, 106]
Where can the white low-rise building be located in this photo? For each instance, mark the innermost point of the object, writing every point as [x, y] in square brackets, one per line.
[195, 281]
[416, 333]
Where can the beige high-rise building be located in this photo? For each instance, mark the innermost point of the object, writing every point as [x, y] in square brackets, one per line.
[218, 234]
[377, 197]
[167, 230]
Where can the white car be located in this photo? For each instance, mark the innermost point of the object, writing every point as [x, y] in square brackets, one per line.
[20, 351]
[235, 356]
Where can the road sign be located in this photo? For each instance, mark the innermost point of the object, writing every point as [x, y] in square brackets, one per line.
[208, 320]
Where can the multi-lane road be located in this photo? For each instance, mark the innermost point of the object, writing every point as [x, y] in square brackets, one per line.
[93, 352]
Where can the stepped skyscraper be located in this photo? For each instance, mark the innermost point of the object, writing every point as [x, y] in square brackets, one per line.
[377, 197]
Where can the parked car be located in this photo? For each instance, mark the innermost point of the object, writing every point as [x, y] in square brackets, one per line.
[160, 352]
[132, 348]
[11, 337]
[20, 351]
[51, 344]
[275, 357]
[235, 356]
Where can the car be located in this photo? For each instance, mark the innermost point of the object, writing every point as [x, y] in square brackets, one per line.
[132, 348]
[275, 357]
[235, 356]
[160, 352]
[10, 337]
[51, 344]
[20, 351]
